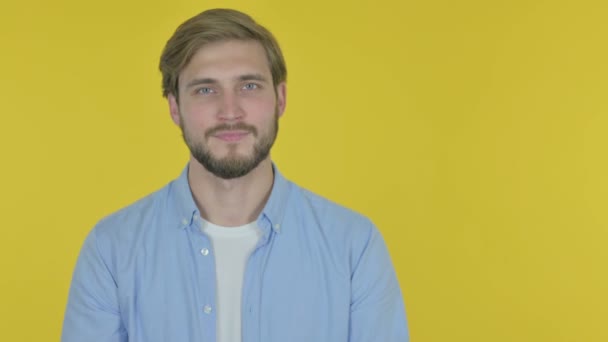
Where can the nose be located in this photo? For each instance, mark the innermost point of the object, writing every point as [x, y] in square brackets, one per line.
[230, 107]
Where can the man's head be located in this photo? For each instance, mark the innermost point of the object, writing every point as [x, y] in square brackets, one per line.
[224, 77]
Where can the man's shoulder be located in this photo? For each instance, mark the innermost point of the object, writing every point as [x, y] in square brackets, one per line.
[330, 212]
[137, 214]
[344, 229]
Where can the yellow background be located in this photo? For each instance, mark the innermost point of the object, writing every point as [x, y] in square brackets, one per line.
[474, 133]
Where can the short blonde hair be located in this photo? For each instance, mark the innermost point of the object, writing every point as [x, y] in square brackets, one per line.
[213, 26]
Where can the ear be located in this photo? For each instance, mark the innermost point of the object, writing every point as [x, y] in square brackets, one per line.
[174, 109]
[281, 92]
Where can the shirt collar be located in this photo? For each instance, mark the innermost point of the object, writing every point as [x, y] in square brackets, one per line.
[274, 209]
[184, 201]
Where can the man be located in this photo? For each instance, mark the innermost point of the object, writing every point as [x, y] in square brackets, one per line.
[231, 250]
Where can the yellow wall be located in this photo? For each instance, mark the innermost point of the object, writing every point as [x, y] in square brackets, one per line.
[474, 133]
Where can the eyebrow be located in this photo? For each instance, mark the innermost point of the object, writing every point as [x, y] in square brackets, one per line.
[253, 77]
[246, 77]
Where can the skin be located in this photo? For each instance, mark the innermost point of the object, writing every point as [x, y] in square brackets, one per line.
[228, 83]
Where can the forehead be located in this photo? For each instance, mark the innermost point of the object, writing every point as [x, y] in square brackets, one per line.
[227, 60]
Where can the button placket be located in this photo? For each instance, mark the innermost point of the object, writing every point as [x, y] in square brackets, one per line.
[205, 265]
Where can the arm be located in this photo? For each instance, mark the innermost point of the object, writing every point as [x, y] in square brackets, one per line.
[92, 312]
[377, 309]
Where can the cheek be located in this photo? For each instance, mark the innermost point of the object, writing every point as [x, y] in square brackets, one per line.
[260, 109]
[196, 117]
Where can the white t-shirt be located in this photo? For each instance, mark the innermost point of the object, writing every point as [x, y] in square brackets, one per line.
[232, 247]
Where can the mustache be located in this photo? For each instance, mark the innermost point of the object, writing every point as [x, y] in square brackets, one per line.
[240, 126]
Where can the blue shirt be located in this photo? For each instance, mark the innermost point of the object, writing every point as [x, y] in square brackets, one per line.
[319, 273]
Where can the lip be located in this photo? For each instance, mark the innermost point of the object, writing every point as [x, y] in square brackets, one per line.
[231, 136]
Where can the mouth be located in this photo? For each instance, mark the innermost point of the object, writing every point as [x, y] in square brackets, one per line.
[231, 136]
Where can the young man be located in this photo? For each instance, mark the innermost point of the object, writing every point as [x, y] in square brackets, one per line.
[231, 250]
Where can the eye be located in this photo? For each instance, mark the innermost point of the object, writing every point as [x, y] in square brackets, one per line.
[204, 90]
[250, 86]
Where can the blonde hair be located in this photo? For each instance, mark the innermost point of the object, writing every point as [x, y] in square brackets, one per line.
[213, 26]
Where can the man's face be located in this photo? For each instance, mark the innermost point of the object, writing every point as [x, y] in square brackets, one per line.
[228, 107]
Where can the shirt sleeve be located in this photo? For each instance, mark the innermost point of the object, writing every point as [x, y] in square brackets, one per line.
[377, 308]
[92, 312]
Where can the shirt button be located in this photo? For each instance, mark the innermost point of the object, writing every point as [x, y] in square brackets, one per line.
[204, 251]
[184, 222]
[207, 309]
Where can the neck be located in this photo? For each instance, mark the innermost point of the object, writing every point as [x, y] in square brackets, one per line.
[230, 202]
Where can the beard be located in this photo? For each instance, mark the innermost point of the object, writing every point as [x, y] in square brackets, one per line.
[232, 165]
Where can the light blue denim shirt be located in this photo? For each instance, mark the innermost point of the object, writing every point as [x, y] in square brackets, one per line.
[319, 273]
